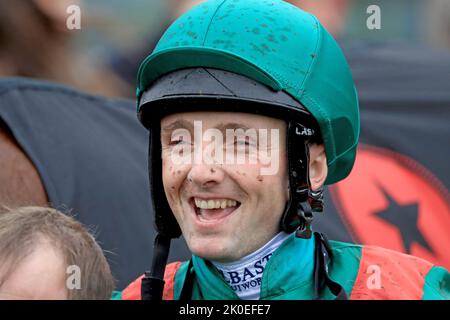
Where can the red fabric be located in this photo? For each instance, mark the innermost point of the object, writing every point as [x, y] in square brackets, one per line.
[169, 279]
[133, 290]
[401, 276]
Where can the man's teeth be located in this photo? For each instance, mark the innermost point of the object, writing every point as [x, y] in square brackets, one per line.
[215, 204]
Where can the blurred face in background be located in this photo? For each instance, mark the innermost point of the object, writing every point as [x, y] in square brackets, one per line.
[331, 13]
[40, 275]
[178, 7]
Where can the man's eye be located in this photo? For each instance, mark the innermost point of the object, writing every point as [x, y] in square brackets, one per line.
[177, 141]
[245, 142]
[242, 142]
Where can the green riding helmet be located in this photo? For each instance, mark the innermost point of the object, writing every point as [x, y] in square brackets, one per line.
[278, 45]
[257, 56]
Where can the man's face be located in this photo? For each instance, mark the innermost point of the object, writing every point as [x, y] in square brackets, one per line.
[226, 201]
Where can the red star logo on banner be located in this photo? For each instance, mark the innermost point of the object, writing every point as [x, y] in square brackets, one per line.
[392, 201]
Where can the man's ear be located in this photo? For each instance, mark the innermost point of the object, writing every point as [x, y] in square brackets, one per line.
[318, 169]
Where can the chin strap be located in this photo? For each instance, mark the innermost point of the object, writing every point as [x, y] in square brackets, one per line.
[303, 202]
[153, 281]
[305, 214]
[306, 202]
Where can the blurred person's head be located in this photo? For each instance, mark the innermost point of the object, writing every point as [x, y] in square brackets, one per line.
[35, 42]
[38, 249]
[28, 31]
[438, 22]
[331, 13]
[178, 7]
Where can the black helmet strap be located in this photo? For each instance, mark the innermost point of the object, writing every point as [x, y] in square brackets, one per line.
[152, 286]
[302, 200]
[153, 281]
[165, 221]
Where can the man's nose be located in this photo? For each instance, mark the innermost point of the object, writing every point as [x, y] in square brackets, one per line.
[204, 175]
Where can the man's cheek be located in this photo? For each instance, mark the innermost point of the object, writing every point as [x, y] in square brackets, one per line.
[172, 197]
[169, 184]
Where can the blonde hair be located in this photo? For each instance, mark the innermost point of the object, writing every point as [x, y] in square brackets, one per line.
[20, 229]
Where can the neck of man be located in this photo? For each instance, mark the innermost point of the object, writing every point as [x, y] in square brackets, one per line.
[245, 275]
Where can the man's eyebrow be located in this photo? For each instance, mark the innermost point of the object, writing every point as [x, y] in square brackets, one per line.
[178, 124]
[231, 125]
[184, 124]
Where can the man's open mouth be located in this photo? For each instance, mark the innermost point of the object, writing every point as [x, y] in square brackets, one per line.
[210, 210]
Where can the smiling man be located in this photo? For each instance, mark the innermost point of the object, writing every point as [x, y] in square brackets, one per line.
[251, 109]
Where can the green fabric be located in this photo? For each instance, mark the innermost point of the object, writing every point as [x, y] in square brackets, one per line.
[345, 266]
[116, 295]
[277, 44]
[288, 274]
[437, 284]
[180, 275]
